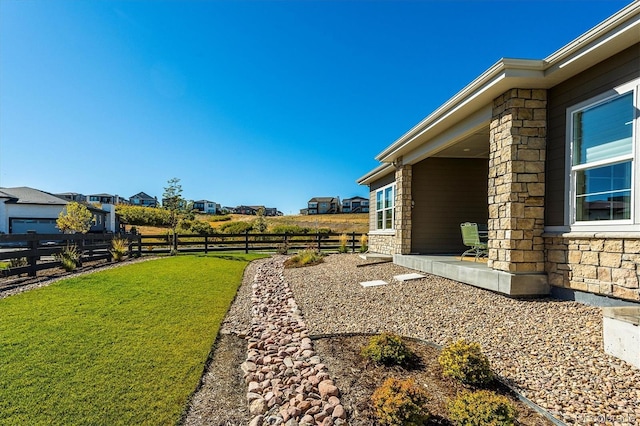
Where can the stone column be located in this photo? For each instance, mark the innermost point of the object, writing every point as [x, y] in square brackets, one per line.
[516, 181]
[402, 223]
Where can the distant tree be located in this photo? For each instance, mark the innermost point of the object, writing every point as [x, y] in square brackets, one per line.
[74, 218]
[173, 202]
[260, 224]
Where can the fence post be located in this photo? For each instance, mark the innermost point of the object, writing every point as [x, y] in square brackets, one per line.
[80, 245]
[139, 237]
[318, 238]
[33, 259]
[353, 242]
[109, 254]
[246, 242]
[175, 242]
[206, 244]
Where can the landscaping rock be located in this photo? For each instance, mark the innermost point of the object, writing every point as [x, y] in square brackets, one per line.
[283, 372]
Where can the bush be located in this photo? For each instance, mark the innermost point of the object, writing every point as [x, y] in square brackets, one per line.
[364, 243]
[18, 262]
[344, 240]
[289, 229]
[218, 218]
[236, 227]
[387, 349]
[196, 226]
[282, 248]
[69, 257]
[307, 257]
[464, 361]
[400, 402]
[481, 408]
[119, 248]
[142, 216]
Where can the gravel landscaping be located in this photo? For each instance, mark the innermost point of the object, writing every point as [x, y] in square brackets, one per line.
[550, 350]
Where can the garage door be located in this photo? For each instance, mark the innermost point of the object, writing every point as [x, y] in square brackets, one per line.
[40, 226]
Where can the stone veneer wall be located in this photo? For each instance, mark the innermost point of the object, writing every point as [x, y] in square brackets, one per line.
[398, 241]
[384, 244]
[403, 210]
[606, 265]
[516, 181]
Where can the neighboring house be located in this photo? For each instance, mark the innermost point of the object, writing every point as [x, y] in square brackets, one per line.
[323, 205]
[103, 199]
[26, 209]
[207, 207]
[272, 211]
[143, 199]
[72, 196]
[247, 210]
[355, 205]
[544, 152]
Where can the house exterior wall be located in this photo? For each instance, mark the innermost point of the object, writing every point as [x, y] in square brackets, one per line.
[604, 263]
[604, 76]
[4, 219]
[516, 181]
[447, 192]
[31, 211]
[380, 241]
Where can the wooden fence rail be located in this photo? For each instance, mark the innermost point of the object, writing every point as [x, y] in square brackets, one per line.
[30, 253]
[38, 251]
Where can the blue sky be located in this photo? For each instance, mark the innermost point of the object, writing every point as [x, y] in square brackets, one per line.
[247, 102]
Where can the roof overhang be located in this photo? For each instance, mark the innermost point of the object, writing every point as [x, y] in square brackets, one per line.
[379, 172]
[613, 35]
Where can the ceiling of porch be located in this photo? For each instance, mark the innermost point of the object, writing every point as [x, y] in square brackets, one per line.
[473, 146]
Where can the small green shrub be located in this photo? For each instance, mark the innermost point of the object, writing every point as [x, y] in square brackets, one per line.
[482, 408]
[69, 257]
[387, 349]
[344, 240]
[119, 248]
[308, 257]
[464, 361]
[218, 218]
[400, 403]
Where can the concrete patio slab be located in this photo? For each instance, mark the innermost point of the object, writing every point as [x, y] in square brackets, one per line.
[477, 274]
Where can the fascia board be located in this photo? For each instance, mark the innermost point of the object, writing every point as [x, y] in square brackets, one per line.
[375, 174]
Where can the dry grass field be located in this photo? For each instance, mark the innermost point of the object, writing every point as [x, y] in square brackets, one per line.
[348, 222]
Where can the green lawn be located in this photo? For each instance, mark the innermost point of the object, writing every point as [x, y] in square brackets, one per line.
[123, 346]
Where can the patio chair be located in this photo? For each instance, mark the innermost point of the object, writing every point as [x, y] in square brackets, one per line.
[471, 239]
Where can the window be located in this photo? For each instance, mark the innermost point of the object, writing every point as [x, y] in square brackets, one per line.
[385, 211]
[603, 164]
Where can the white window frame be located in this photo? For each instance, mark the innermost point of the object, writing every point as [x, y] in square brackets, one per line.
[386, 210]
[632, 224]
